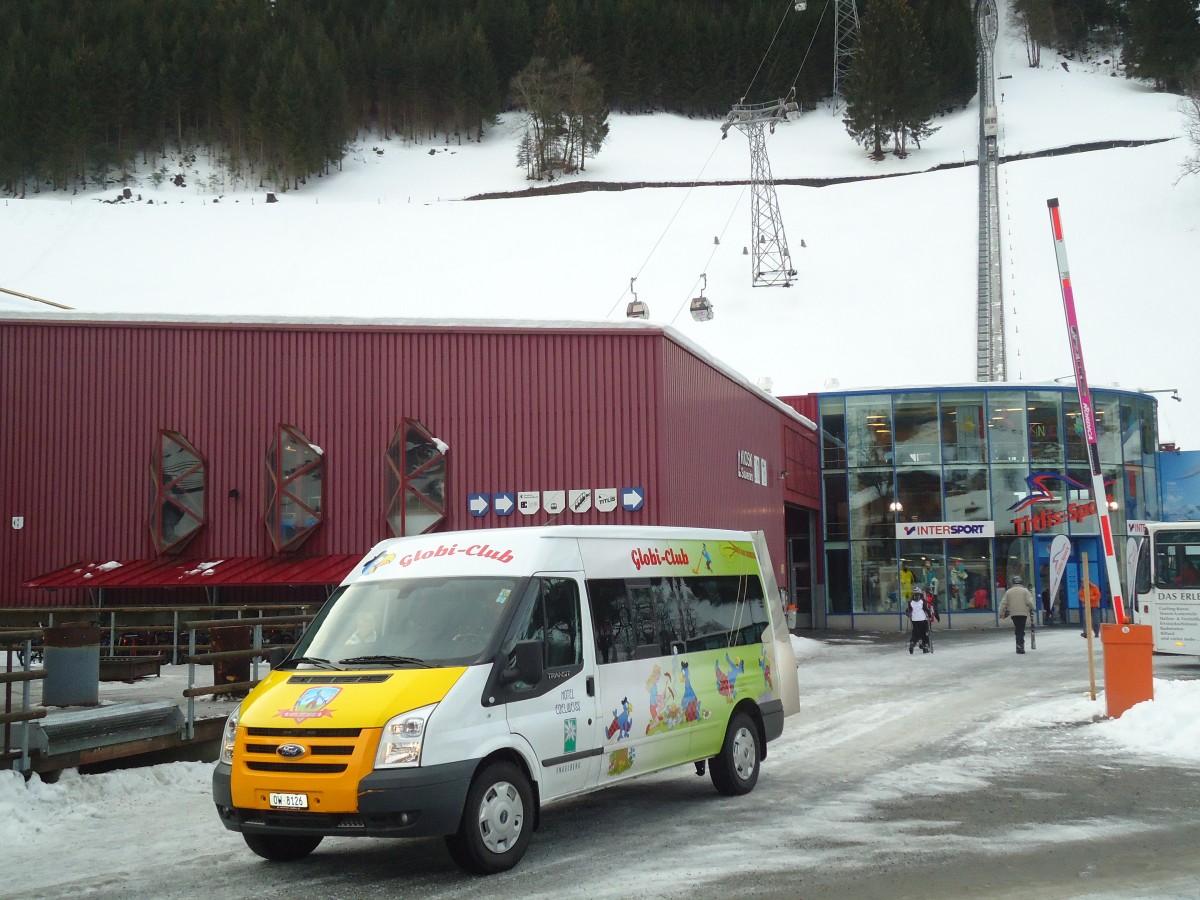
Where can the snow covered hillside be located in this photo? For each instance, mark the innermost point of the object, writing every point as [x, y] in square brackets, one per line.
[886, 290]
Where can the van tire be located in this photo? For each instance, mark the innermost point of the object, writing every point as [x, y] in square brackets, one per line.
[282, 847]
[497, 821]
[734, 771]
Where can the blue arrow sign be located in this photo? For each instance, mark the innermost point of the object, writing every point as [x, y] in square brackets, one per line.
[632, 498]
[504, 503]
[477, 504]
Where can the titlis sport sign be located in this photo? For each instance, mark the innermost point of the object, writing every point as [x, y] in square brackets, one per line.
[911, 531]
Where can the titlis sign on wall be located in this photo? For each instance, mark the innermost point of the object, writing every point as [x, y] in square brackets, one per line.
[751, 467]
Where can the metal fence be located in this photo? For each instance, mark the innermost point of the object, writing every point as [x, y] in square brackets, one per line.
[136, 636]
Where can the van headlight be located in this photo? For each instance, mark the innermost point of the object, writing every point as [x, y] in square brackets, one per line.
[400, 743]
[229, 735]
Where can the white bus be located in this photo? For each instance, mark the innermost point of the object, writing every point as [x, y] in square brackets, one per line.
[1167, 589]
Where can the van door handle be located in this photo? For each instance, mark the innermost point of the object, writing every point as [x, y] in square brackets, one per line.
[591, 686]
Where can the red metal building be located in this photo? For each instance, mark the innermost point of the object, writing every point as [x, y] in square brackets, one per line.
[255, 460]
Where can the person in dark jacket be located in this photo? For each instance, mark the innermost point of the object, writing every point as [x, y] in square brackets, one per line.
[921, 613]
[1017, 604]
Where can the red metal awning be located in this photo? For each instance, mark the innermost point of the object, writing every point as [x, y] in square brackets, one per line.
[171, 572]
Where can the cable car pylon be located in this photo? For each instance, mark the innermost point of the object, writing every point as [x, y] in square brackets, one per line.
[771, 259]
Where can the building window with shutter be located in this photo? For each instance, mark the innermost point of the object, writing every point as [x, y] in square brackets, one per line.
[178, 480]
[295, 477]
[415, 480]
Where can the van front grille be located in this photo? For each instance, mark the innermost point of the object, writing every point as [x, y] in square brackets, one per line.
[304, 732]
[314, 768]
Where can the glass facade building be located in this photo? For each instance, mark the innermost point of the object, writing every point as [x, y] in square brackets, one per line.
[959, 489]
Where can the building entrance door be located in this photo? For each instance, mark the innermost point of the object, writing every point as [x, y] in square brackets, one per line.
[800, 568]
[1066, 605]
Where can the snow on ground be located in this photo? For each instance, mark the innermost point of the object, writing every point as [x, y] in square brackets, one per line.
[49, 821]
[886, 290]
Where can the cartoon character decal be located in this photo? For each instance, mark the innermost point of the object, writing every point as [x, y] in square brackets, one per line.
[621, 760]
[662, 696]
[622, 721]
[764, 663]
[691, 703]
[727, 681]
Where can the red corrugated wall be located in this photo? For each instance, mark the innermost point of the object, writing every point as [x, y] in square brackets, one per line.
[521, 410]
[707, 419]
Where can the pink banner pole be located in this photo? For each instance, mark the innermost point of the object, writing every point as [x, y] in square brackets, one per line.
[1087, 412]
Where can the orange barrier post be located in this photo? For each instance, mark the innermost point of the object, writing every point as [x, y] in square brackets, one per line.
[1128, 666]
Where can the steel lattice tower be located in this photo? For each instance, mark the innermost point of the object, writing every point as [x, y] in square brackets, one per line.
[845, 41]
[771, 259]
[990, 359]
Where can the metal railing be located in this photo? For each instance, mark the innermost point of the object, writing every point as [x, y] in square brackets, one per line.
[134, 631]
[257, 652]
[189, 642]
[20, 642]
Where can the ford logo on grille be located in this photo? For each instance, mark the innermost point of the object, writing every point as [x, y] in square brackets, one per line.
[290, 751]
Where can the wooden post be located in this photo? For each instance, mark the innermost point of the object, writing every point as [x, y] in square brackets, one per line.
[1086, 602]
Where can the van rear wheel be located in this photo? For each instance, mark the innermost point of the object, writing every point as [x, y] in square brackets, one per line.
[282, 847]
[497, 821]
[734, 771]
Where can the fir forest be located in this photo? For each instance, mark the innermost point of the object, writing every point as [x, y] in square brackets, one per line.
[277, 89]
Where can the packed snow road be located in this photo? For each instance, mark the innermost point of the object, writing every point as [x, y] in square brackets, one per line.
[970, 771]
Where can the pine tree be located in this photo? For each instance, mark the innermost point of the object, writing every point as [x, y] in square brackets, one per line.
[1190, 106]
[950, 35]
[1035, 19]
[1163, 41]
[916, 96]
[887, 90]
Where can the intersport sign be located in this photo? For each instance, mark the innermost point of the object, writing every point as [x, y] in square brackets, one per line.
[912, 531]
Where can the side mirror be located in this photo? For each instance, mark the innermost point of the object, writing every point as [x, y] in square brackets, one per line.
[276, 655]
[526, 663]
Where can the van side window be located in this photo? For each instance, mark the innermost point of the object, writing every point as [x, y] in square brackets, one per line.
[634, 618]
[555, 619]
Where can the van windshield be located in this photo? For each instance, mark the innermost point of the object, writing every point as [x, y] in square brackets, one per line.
[407, 623]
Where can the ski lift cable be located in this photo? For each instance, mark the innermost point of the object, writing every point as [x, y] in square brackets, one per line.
[688, 299]
[667, 228]
[774, 37]
[795, 80]
[811, 41]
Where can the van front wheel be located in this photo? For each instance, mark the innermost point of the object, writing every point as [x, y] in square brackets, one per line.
[496, 823]
[282, 847]
[734, 771]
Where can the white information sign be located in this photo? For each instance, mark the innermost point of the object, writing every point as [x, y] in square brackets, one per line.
[529, 502]
[915, 531]
[554, 502]
[606, 499]
[580, 501]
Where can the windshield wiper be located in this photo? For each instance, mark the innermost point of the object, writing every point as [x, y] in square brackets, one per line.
[313, 661]
[393, 660]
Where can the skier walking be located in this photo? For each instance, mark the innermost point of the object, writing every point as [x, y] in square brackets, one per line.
[920, 613]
